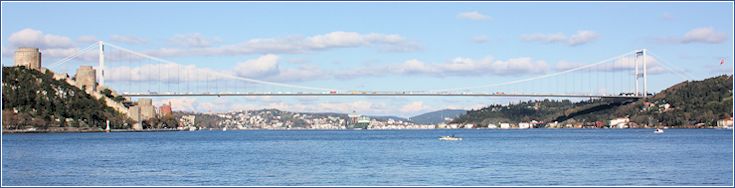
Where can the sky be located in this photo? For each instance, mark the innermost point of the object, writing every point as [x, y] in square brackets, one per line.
[375, 46]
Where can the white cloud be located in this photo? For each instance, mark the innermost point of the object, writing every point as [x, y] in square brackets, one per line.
[489, 66]
[459, 66]
[566, 65]
[332, 40]
[195, 40]
[413, 107]
[167, 72]
[473, 15]
[52, 46]
[472, 106]
[480, 39]
[87, 39]
[414, 66]
[579, 38]
[187, 104]
[128, 39]
[626, 63]
[547, 38]
[302, 73]
[667, 16]
[704, 35]
[266, 65]
[582, 37]
[34, 38]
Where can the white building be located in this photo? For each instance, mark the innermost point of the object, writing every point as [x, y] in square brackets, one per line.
[524, 125]
[620, 123]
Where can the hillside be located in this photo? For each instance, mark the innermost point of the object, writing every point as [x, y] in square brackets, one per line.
[34, 100]
[437, 117]
[690, 103]
[684, 104]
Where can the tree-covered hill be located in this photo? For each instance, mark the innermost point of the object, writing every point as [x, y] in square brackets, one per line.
[690, 103]
[32, 99]
[684, 104]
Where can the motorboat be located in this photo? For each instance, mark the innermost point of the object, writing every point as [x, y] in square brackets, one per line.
[450, 138]
[658, 131]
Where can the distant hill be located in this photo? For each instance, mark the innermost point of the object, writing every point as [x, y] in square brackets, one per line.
[437, 117]
[385, 118]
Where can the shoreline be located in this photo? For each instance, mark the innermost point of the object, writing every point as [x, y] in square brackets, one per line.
[83, 131]
[176, 130]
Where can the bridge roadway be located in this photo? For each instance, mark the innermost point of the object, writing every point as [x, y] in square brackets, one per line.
[399, 94]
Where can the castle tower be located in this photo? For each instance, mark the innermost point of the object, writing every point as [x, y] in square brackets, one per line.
[147, 110]
[28, 57]
[86, 77]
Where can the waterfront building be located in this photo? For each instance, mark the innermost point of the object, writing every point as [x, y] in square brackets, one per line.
[187, 121]
[505, 125]
[524, 125]
[621, 123]
[165, 110]
[725, 123]
[441, 126]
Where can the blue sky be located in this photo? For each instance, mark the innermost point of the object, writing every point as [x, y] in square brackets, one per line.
[381, 45]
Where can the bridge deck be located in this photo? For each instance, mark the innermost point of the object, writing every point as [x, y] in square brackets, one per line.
[374, 94]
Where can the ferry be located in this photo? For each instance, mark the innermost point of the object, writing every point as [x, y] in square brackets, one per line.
[450, 138]
[658, 131]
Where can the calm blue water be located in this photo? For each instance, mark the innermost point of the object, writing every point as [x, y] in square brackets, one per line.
[417, 157]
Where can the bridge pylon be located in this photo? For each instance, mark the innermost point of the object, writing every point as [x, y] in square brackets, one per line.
[102, 62]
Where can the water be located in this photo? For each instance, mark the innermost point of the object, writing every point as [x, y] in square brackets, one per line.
[416, 157]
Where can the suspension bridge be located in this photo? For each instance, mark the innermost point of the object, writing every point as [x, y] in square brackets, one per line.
[138, 74]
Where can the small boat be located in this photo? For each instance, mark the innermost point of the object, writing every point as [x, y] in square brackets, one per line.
[658, 131]
[224, 129]
[450, 138]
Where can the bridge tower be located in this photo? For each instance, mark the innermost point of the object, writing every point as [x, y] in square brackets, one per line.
[639, 74]
[102, 62]
[645, 75]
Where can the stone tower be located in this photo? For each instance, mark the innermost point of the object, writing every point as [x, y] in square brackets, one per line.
[86, 77]
[28, 57]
